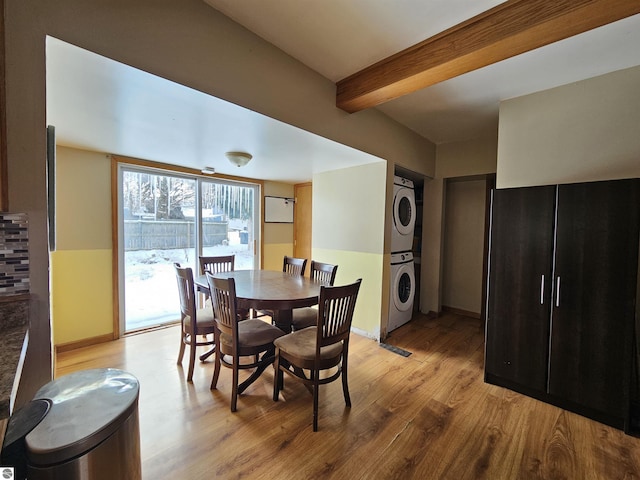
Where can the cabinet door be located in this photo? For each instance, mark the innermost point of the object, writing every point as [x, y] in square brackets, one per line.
[518, 306]
[594, 295]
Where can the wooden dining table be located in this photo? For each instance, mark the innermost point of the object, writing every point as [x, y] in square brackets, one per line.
[277, 291]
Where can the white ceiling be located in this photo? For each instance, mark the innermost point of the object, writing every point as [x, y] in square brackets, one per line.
[98, 104]
[101, 105]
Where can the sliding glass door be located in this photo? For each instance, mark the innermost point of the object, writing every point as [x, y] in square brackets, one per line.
[228, 223]
[166, 218]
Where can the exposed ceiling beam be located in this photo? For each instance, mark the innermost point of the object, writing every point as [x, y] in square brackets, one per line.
[509, 29]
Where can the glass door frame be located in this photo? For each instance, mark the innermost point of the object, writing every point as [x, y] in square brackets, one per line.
[148, 167]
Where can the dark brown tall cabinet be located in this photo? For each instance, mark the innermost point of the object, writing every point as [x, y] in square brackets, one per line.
[561, 303]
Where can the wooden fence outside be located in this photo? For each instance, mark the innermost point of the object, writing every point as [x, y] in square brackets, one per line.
[167, 234]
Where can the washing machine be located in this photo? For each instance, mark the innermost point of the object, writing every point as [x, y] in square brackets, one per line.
[404, 215]
[403, 284]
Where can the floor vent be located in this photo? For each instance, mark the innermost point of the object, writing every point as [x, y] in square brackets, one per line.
[394, 349]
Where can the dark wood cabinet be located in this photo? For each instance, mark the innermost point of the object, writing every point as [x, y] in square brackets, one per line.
[562, 295]
[520, 276]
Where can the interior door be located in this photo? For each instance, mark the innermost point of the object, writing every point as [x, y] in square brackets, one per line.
[302, 221]
[518, 305]
[594, 296]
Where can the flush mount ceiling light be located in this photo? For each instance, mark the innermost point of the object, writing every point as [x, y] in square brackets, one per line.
[208, 170]
[239, 159]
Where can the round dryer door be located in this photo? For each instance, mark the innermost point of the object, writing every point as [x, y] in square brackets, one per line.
[404, 211]
[405, 284]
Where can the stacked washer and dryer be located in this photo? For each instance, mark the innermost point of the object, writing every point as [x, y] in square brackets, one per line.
[403, 280]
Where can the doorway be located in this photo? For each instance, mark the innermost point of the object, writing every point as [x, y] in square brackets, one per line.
[465, 243]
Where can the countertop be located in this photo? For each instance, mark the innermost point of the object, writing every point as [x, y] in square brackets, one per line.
[14, 323]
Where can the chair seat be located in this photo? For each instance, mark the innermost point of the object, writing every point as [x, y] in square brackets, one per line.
[205, 320]
[302, 344]
[253, 333]
[304, 317]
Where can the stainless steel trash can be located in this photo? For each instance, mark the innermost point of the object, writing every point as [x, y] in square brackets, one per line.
[91, 430]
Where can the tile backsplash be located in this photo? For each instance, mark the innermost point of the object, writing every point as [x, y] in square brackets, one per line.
[14, 254]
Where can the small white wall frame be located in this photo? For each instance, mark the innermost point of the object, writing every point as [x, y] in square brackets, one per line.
[278, 209]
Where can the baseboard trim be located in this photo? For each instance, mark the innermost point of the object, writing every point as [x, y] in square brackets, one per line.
[85, 342]
[459, 311]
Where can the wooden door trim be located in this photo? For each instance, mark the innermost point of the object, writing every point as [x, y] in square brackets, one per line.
[296, 221]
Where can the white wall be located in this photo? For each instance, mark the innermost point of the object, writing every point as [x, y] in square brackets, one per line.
[464, 245]
[468, 158]
[584, 131]
[349, 230]
[432, 246]
[471, 158]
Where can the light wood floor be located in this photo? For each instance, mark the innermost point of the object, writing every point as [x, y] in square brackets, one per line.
[426, 416]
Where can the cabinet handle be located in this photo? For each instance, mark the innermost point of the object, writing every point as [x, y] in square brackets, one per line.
[558, 291]
[542, 290]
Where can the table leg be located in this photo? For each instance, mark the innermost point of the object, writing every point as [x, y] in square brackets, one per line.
[283, 319]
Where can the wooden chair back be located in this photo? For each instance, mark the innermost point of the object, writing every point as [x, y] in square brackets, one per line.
[257, 337]
[224, 301]
[218, 264]
[294, 266]
[323, 272]
[184, 277]
[335, 314]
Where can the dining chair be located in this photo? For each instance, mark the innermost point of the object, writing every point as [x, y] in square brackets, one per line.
[319, 348]
[220, 264]
[217, 264]
[235, 339]
[294, 266]
[194, 322]
[324, 273]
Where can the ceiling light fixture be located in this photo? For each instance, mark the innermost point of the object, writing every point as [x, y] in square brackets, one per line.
[208, 170]
[239, 159]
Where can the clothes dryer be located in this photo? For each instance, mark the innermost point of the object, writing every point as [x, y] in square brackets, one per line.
[403, 284]
[404, 215]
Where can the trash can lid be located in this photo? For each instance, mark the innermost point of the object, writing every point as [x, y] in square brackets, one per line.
[24, 420]
[86, 408]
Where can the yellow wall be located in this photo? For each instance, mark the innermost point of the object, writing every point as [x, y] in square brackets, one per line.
[81, 266]
[81, 295]
[348, 231]
[84, 228]
[277, 237]
[354, 265]
[274, 254]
